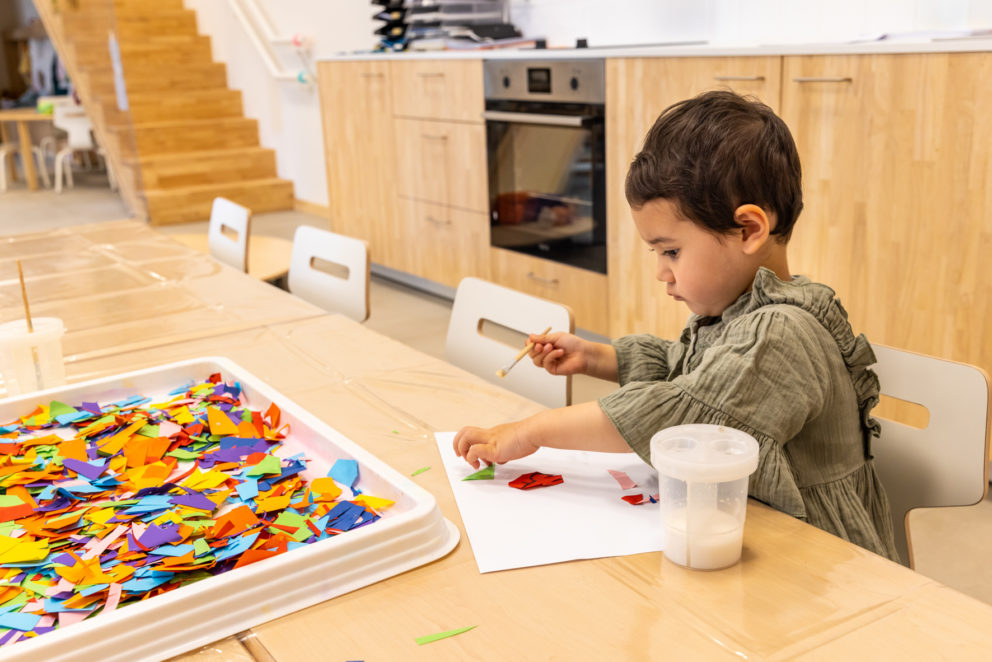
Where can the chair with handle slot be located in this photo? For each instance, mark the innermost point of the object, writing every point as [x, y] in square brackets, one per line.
[489, 326]
[946, 462]
[227, 234]
[331, 270]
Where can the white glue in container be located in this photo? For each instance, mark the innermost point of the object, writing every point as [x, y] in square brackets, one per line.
[702, 478]
[31, 360]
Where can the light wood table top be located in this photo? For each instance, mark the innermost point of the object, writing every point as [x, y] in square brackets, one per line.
[268, 257]
[797, 593]
[22, 116]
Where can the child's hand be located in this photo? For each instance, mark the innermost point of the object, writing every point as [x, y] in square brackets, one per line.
[494, 445]
[559, 353]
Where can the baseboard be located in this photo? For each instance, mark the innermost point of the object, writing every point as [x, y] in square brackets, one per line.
[323, 211]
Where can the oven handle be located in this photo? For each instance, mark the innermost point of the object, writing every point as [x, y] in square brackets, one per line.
[534, 118]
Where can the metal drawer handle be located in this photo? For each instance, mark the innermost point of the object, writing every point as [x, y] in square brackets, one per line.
[429, 136]
[728, 78]
[437, 221]
[533, 118]
[431, 74]
[823, 79]
[546, 281]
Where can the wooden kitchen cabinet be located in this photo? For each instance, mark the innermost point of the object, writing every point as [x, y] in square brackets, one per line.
[357, 117]
[448, 243]
[438, 89]
[897, 181]
[442, 163]
[637, 90]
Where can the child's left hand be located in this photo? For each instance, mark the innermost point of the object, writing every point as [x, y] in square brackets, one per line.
[498, 444]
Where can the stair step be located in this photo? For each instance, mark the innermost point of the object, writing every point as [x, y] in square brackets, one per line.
[167, 171]
[129, 7]
[179, 53]
[192, 203]
[187, 104]
[151, 78]
[194, 135]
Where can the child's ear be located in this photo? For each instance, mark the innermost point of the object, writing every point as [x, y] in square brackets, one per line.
[755, 227]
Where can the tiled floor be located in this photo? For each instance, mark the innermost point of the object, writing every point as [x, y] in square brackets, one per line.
[951, 544]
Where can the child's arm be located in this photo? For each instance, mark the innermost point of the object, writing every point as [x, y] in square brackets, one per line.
[579, 427]
[567, 354]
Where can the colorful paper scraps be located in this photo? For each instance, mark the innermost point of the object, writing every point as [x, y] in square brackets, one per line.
[487, 472]
[639, 499]
[105, 505]
[625, 481]
[429, 638]
[535, 479]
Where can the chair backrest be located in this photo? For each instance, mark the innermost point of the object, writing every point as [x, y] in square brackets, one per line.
[479, 302]
[76, 123]
[227, 235]
[331, 271]
[944, 464]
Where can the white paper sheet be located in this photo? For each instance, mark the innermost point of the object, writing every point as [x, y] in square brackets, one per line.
[583, 518]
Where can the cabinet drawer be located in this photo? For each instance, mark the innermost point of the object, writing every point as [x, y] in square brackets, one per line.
[439, 90]
[445, 244]
[442, 163]
[584, 291]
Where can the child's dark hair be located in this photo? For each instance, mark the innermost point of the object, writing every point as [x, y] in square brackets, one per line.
[715, 152]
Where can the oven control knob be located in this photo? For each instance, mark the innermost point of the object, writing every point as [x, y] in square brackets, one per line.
[574, 83]
[506, 81]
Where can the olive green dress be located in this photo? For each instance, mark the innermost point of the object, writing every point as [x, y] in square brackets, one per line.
[783, 365]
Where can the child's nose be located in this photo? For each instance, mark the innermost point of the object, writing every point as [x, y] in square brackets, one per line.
[664, 274]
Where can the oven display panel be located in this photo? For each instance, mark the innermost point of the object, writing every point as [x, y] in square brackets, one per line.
[539, 80]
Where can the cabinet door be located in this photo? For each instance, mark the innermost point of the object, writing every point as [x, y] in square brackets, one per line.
[438, 89]
[896, 180]
[582, 290]
[356, 112]
[637, 90]
[448, 243]
[442, 163]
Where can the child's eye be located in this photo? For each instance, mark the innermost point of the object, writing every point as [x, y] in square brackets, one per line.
[672, 252]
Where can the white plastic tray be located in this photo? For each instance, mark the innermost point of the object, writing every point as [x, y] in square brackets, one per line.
[411, 533]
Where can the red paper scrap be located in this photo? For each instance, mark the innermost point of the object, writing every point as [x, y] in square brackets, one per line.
[535, 479]
[638, 499]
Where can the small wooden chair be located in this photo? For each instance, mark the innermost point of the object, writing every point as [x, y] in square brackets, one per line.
[944, 464]
[331, 271]
[227, 235]
[479, 303]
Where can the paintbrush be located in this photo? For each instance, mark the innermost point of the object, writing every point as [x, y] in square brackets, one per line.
[502, 371]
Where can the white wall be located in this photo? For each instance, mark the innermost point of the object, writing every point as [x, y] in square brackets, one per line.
[289, 115]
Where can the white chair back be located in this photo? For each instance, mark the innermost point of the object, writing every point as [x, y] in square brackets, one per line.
[945, 464]
[478, 302]
[227, 235]
[76, 124]
[331, 271]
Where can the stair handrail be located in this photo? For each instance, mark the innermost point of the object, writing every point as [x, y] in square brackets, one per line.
[268, 37]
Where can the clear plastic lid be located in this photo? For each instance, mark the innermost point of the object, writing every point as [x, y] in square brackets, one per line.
[704, 453]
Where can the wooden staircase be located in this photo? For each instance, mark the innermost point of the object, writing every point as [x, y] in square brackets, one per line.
[184, 139]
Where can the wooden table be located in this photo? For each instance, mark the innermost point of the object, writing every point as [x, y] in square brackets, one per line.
[22, 116]
[798, 593]
[268, 257]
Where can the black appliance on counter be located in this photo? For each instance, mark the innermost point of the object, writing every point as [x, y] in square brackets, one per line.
[546, 150]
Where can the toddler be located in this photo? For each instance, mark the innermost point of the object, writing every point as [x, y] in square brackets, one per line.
[714, 194]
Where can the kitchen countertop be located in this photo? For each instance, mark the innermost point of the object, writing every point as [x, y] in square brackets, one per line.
[941, 45]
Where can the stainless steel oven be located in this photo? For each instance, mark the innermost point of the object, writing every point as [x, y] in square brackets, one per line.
[546, 152]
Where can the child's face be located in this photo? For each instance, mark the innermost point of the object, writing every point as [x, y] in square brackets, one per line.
[706, 271]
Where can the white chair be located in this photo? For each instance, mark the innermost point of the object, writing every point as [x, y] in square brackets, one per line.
[227, 234]
[79, 138]
[478, 303]
[331, 271]
[945, 464]
[14, 148]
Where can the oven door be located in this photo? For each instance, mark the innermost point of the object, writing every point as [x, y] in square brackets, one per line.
[547, 181]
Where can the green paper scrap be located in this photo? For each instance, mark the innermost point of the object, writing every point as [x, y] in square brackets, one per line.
[149, 431]
[487, 472]
[183, 454]
[420, 471]
[269, 465]
[426, 639]
[57, 408]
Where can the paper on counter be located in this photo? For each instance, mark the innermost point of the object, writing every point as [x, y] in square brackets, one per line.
[585, 517]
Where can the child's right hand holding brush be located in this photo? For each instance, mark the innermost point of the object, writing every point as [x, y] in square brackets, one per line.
[566, 354]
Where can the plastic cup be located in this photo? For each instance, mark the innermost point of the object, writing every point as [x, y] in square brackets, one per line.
[702, 478]
[31, 361]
